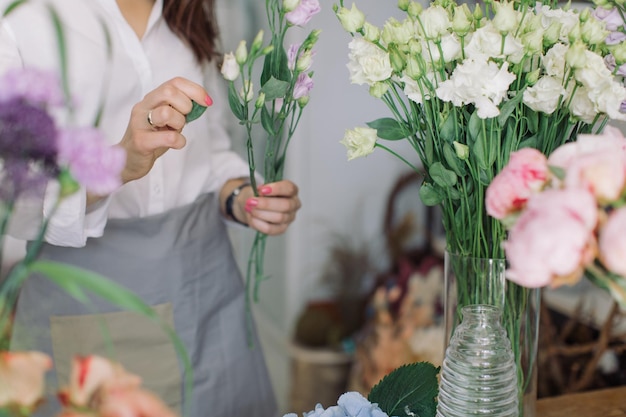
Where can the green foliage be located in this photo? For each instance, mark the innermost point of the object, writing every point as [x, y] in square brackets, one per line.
[410, 390]
[390, 129]
[197, 110]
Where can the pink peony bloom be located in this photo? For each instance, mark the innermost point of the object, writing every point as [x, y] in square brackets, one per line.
[525, 174]
[301, 15]
[553, 239]
[594, 162]
[22, 377]
[612, 242]
[91, 161]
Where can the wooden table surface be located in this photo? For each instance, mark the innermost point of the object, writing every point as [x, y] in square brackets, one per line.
[602, 403]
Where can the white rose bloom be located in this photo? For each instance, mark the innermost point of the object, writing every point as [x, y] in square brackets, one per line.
[545, 96]
[450, 45]
[480, 82]
[230, 67]
[368, 63]
[435, 22]
[359, 141]
[581, 105]
[554, 60]
[351, 19]
[488, 41]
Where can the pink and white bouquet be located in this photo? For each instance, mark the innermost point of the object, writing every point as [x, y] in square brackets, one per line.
[566, 213]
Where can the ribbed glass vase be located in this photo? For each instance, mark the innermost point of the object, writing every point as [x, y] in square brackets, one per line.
[478, 375]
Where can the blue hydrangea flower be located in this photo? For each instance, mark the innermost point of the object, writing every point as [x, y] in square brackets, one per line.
[350, 404]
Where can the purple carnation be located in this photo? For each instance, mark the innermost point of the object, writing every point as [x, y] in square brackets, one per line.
[35, 86]
[304, 85]
[301, 15]
[92, 162]
[28, 147]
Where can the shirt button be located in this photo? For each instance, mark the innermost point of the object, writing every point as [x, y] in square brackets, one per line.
[157, 189]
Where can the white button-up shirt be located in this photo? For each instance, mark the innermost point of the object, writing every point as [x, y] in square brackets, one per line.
[135, 67]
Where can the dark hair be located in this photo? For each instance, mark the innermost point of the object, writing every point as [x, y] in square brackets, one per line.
[194, 22]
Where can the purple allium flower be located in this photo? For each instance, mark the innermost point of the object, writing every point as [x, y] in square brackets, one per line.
[304, 85]
[35, 86]
[92, 162]
[301, 15]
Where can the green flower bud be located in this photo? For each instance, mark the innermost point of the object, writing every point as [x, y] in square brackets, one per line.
[574, 34]
[575, 56]
[371, 32]
[241, 53]
[403, 5]
[533, 76]
[593, 32]
[378, 89]
[352, 20]
[413, 68]
[585, 14]
[461, 150]
[311, 39]
[267, 49]
[478, 13]
[260, 101]
[505, 19]
[619, 53]
[397, 59]
[461, 23]
[257, 43]
[289, 5]
[303, 101]
[414, 9]
[552, 34]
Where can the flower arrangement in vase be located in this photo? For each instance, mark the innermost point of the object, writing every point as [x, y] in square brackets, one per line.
[466, 88]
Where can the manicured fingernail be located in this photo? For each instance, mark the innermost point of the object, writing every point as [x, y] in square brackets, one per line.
[265, 190]
[250, 203]
[208, 100]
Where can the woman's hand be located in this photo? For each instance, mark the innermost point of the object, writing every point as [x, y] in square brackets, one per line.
[273, 210]
[156, 123]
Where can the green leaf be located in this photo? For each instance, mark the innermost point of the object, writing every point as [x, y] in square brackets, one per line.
[409, 390]
[389, 129]
[233, 101]
[442, 176]
[196, 111]
[276, 63]
[508, 107]
[533, 121]
[485, 155]
[430, 195]
[475, 126]
[274, 89]
[13, 6]
[447, 131]
[557, 172]
[267, 121]
[531, 142]
[453, 160]
[429, 150]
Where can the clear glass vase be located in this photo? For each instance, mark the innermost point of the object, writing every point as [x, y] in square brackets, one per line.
[478, 376]
[470, 281]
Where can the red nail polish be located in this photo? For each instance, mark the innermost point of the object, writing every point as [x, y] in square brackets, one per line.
[208, 100]
[266, 190]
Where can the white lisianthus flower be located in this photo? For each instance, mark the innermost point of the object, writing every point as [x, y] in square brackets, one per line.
[450, 46]
[554, 60]
[566, 19]
[398, 32]
[608, 98]
[412, 89]
[593, 31]
[368, 63]
[488, 41]
[427, 82]
[230, 68]
[434, 22]
[378, 90]
[581, 105]
[480, 82]
[546, 95]
[351, 19]
[506, 18]
[594, 73]
[359, 141]
[533, 42]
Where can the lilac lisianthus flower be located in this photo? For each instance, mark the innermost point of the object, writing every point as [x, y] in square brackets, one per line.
[92, 162]
[611, 18]
[304, 85]
[301, 15]
[31, 85]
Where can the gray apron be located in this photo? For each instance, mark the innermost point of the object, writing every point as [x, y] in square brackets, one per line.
[181, 263]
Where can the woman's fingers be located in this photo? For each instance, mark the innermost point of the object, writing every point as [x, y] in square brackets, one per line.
[275, 208]
[176, 93]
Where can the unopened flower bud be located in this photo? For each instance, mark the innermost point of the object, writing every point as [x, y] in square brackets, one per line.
[593, 32]
[260, 101]
[378, 89]
[574, 33]
[619, 53]
[247, 91]
[397, 58]
[414, 9]
[257, 43]
[575, 56]
[289, 5]
[533, 76]
[371, 32]
[403, 5]
[415, 47]
[303, 101]
[585, 14]
[311, 39]
[505, 19]
[241, 53]
[304, 61]
[267, 49]
[413, 68]
[478, 13]
[230, 68]
[552, 34]
[461, 23]
[352, 20]
[461, 150]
